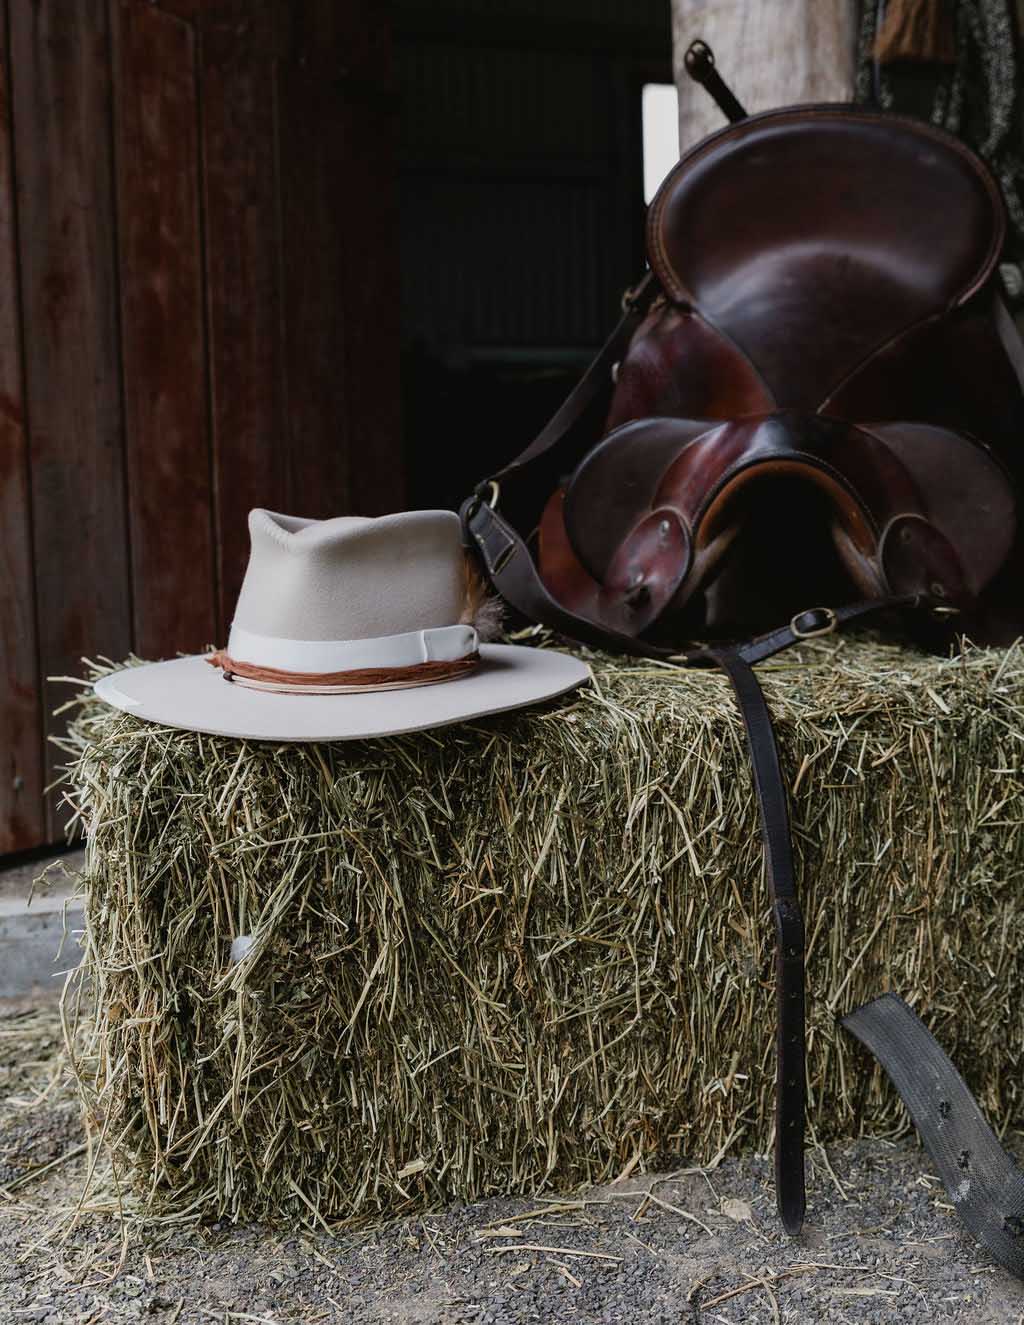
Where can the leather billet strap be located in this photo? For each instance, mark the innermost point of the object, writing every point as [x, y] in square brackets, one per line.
[790, 1073]
[984, 1184]
[513, 575]
[509, 567]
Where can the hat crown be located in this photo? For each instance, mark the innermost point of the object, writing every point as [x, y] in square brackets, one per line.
[352, 577]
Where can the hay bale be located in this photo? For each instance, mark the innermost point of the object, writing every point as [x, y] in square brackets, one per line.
[528, 951]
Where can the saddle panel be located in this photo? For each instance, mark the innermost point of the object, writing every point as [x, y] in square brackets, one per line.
[620, 478]
[982, 529]
[812, 236]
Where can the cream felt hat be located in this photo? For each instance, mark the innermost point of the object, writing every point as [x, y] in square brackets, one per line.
[345, 629]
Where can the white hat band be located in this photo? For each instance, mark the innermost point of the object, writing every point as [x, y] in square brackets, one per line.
[440, 644]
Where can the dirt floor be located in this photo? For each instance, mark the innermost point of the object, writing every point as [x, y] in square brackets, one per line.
[881, 1243]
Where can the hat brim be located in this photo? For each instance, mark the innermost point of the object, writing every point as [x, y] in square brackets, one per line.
[189, 693]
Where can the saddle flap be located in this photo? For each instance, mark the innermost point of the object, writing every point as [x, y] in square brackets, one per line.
[615, 485]
[978, 513]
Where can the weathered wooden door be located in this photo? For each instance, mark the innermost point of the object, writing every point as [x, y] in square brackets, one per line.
[198, 278]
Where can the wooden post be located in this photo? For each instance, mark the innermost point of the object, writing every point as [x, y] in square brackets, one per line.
[770, 52]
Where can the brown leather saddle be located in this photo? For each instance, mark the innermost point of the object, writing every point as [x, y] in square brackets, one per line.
[814, 396]
[825, 349]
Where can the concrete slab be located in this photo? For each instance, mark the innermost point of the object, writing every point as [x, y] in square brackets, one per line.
[38, 942]
[16, 880]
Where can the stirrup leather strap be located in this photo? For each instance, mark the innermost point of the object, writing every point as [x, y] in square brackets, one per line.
[789, 939]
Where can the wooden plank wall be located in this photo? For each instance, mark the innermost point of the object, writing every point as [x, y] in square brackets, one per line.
[198, 280]
[21, 751]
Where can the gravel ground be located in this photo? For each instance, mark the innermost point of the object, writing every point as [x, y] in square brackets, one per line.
[881, 1243]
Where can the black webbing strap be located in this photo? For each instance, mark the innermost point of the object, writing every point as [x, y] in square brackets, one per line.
[984, 1184]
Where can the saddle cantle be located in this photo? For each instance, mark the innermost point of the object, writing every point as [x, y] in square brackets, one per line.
[829, 334]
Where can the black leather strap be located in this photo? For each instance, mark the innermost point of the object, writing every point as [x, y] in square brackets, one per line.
[510, 568]
[595, 382]
[819, 621]
[789, 939]
[984, 1184]
[511, 571]
[699, 63]
[513, 574]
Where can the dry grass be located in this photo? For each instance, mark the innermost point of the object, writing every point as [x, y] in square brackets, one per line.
[535, 951]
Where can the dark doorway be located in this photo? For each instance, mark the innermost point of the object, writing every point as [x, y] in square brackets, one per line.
[521, 201]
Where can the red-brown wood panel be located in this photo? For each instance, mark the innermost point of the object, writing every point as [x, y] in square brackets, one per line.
[238, 42]
[21, 729]
[156, 150]
[60, 62]
[198, 314]
[336, 114]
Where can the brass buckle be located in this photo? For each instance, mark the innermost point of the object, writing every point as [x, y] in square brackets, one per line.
[826, 629]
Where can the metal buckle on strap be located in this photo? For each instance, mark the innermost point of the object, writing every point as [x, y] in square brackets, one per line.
[481, 497]
[814, 622]
[629, 298]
